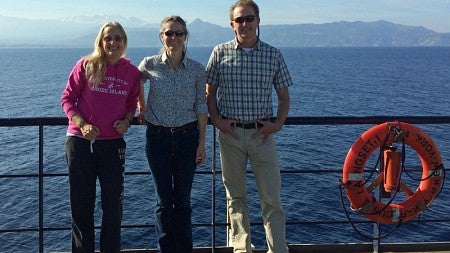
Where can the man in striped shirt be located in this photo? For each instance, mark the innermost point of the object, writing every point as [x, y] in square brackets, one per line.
[241, 75]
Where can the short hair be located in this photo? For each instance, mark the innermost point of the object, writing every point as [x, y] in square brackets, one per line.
[244, 3]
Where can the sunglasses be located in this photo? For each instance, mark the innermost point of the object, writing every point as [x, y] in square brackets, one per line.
[116, 38]
[169, 33]
[248, 19]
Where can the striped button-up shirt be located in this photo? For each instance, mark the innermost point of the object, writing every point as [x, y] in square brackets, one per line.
[246, 79]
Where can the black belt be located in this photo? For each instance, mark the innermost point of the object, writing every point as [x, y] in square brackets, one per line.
[182, 128]
[251, 125]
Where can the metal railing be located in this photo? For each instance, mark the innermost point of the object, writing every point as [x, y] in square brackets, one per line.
[59, 121]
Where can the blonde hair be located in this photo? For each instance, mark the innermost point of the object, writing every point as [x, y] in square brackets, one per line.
[95, 63]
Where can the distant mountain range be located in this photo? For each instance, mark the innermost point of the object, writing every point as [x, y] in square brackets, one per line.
[80, 31]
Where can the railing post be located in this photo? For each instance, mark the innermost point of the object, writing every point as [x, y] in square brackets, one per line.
[41, 189]
[376, 240]
[213, 199]
[377, 195]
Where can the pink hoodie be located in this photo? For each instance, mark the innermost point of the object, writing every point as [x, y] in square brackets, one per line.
[101, 105]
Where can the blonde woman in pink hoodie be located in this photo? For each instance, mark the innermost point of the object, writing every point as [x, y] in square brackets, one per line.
[99, 100]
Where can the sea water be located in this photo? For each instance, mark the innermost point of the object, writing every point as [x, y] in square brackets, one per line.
[327, 82]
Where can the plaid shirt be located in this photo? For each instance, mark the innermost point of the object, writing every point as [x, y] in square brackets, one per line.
[245, 80]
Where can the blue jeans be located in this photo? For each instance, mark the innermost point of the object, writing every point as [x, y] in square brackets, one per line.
[171, 156]
[103, 159]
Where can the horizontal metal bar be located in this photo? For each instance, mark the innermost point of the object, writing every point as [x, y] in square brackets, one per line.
[341, 120]
[355, 120]
[201, 172]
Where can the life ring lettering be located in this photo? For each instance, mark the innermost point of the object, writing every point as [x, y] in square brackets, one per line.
[379, 137]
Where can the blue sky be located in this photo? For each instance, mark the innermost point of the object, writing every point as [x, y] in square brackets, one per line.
[433, 14]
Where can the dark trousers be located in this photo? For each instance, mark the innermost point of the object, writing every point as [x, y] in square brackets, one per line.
[103, 159]
[171, 156]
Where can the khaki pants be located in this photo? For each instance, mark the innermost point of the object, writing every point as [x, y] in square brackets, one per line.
[264, 162]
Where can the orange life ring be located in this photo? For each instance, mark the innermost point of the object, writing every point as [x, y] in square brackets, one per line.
[353, 173]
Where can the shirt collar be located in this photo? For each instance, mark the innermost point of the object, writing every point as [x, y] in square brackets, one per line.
[165, 59]
[236, 44]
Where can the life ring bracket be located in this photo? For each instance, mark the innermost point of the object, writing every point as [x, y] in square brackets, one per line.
[382, 136]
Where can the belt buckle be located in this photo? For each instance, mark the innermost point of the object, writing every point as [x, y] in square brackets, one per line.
[252, 125]
[173, 130]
